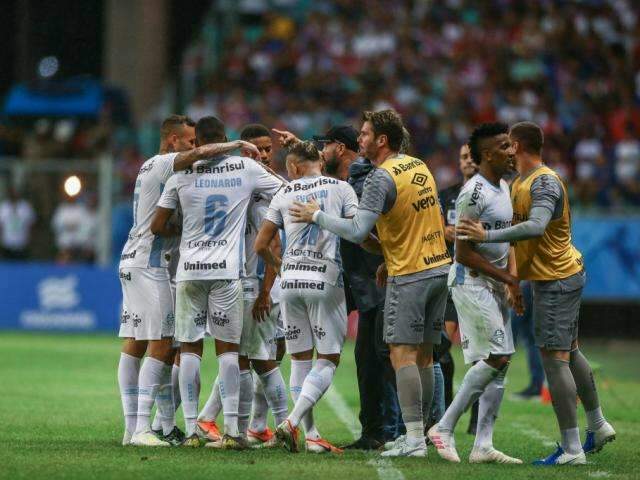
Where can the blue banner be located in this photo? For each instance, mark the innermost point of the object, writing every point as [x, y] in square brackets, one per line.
[611, 250]
[53, 297]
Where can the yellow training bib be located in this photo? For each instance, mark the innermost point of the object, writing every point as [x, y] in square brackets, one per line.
[552, 256]
[412, 233]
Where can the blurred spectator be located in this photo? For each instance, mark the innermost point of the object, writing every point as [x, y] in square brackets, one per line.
[572, 67]
[16, 221]
[74, 228]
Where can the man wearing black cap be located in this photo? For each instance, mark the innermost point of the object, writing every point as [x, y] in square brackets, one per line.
[379, 411]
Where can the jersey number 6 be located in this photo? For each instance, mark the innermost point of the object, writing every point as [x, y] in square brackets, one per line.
[215, 214]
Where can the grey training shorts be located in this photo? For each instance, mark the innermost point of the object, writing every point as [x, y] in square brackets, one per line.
[556, 307]
[413, 312]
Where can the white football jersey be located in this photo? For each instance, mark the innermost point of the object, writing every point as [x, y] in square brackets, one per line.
[481, 200]
[214, 196]
[143, 248]
[254, 267]
[312, 252]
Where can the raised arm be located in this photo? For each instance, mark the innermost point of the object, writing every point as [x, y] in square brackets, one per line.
[185, 159]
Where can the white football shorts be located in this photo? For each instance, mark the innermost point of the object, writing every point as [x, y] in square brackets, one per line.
[485, 323]
[147, 304]
[209, 307]
[258, 338]
[314, 315]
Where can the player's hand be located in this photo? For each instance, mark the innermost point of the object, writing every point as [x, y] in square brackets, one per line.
[285, 138]
[248, 149]
[450, 233]
[381, 275]
[472, 230]
[262, 307]
[515, 298]
[303, 212]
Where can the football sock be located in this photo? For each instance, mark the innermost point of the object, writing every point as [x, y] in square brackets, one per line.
[164, 401]
[175, 384]
[299, 371]
[586, 387]
[410, 400]
[128, 373]
[315, 384]
[473, 384]
[427, 382]
[229, 377]
[563, 392]
[275, 392]
[213, 406]
[488, 408]
[245, 401]
[438, 403]
[190, 389]
[149, 382]
[260, 407]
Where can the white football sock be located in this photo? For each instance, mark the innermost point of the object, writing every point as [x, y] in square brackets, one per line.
[175, 384]
[299, 371]
[315, 384]
[175, 393]
[190, 389]
[128, 372]
[570, 440]
[260, 408]
[488, 408]
[229, 376]
[275, 393]
[245, 401]
[149, 382]
[213, 406]
[164, 401]
[473, 384]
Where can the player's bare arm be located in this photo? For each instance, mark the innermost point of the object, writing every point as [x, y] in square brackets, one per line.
[516, 300]
[262, 305]
[467, 256]
[533, 227]
[372, 244]
[267, 232]
[161, 224]
[185, 159]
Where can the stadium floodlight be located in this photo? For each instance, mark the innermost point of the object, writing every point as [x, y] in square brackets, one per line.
[72, 185]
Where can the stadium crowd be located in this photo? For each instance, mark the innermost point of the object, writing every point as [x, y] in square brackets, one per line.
[573, 68]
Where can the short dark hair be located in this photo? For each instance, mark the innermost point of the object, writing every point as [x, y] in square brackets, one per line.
[389, 123]
[305, 151]
[172, 122]
[254, 130]
[529, 136]
[482, 132]
[210, 130]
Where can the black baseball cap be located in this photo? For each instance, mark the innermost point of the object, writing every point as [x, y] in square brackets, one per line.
[342, 133]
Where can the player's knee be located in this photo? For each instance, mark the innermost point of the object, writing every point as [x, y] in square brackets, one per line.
[333, 358]
[498, 362]
[308, 355]
[243, 362]
[191, 347]
[263, 366]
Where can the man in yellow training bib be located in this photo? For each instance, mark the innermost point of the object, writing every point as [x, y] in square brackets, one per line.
[546, 256]
[400, 199]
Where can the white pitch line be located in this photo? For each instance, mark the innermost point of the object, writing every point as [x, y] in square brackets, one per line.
[533, 433]
[386, 470]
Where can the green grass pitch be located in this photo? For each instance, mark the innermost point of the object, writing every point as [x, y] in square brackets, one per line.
[61, 418]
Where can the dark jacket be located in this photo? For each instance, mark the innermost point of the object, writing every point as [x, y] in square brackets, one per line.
[359, 265]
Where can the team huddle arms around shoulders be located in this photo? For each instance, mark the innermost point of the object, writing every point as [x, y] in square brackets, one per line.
[223, 247]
